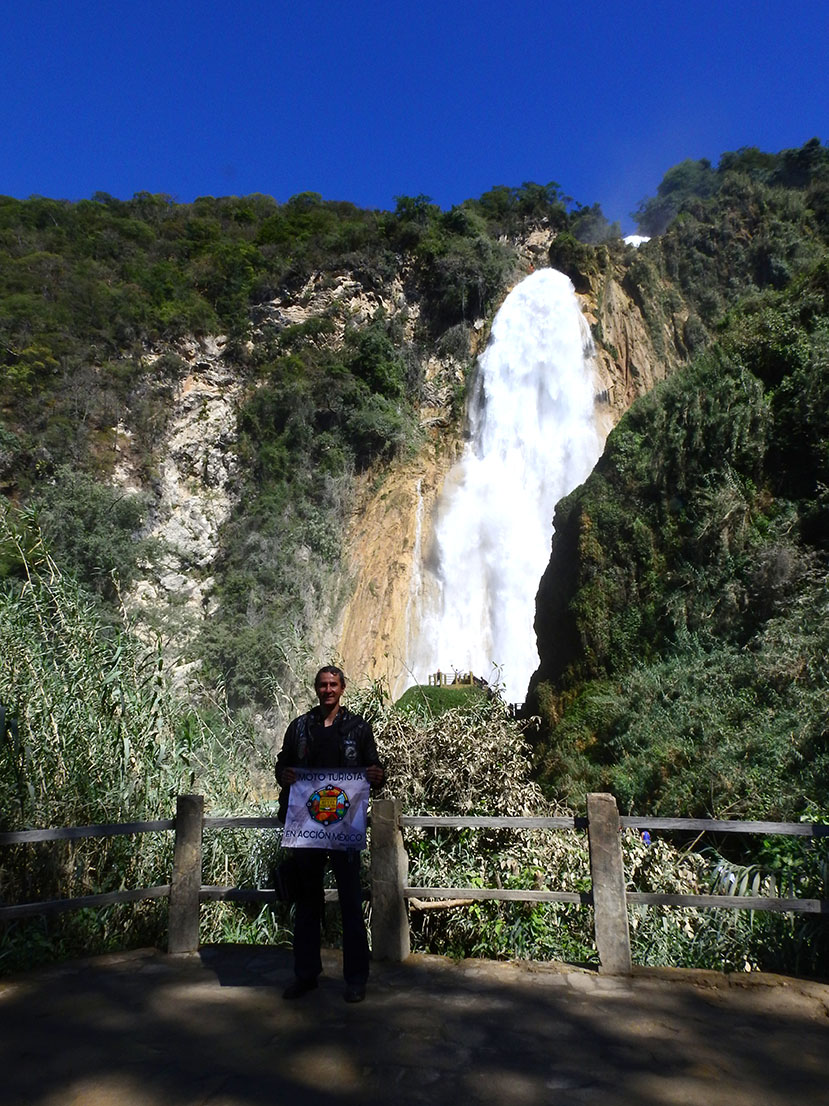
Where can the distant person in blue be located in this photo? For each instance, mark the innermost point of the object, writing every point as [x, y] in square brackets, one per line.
[329, 736]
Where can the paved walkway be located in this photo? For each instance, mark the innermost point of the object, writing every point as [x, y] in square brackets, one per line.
[211, 1029]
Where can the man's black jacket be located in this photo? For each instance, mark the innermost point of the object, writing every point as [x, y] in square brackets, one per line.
[356, 747]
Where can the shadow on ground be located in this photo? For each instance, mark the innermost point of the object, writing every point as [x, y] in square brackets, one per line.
[144, 1029]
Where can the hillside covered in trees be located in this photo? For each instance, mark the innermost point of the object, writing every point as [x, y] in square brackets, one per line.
[105, 303]
[682, 623]
[704, 518]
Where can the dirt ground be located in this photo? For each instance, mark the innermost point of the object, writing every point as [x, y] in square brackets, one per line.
[211, 1029]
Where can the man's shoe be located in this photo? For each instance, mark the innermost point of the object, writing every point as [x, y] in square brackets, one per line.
[355, 992]
[299, 987]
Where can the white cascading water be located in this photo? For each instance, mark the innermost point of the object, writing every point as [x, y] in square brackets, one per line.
[533, 439]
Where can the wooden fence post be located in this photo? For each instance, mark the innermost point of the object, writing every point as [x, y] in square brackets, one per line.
[389, 873]
[183, 922]
[607, 872]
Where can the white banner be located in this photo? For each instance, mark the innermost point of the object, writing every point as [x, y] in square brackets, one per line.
[327, 809]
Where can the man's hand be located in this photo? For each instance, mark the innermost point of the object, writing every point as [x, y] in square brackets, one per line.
[288, 776]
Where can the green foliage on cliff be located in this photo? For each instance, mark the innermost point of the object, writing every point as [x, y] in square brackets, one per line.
[86, 289]
[684, 641]
[314, 415]
[756, 222]
[91, 528]
[685, 185]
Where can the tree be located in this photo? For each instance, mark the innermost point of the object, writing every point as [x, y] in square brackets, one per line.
[685, 181]
[589, 225]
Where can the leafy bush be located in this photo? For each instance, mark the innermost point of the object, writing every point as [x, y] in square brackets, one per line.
[461, 270]
[92, 530]
[466, 759]
[471, 758]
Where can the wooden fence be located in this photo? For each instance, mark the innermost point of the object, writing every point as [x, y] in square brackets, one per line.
[390, 890]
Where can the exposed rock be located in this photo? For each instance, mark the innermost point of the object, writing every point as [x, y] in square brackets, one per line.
[533, 248]
[627, 360]
[389, 526]
[442, 378]
[193, 496]
[344, 301]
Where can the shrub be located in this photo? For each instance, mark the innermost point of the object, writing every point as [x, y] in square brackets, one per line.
[92, 530]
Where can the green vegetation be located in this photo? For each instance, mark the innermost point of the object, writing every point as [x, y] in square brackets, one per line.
[92, 292]
[431, 701]
[90, 528]
[92, 732]
[690, 180]
[87, 288]
[682, 624]
[688, 184]
[683, 619]
[472, 758]
[756, 222]
[685, 665]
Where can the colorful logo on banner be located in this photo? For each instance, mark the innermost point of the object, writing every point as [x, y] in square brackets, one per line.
[327, 809]
[328, 805]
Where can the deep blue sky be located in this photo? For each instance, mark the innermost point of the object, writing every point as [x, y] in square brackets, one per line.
[364, 101]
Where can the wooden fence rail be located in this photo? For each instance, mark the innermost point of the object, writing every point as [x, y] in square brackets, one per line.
[391, 892]
[74, 833]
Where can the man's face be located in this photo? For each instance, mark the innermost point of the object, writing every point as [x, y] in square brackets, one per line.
[329, 691]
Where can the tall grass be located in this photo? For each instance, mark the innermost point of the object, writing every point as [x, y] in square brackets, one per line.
[94, 733]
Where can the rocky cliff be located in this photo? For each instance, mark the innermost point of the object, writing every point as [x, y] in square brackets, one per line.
[288, 465]
[192, 494]
[364, 615]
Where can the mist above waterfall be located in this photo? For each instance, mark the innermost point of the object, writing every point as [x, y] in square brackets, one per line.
[532, 439]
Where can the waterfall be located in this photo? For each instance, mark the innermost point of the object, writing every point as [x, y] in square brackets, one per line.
[532, 439]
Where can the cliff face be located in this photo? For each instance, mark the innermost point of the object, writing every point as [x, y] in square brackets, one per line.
[626, 357]
[389, 527]
[390, 523]
[193, 492]
[363, 617]
[196, 481]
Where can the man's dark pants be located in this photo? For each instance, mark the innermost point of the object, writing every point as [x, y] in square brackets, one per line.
[310, 905]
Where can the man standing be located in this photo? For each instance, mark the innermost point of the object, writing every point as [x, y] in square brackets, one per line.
[329, 736]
